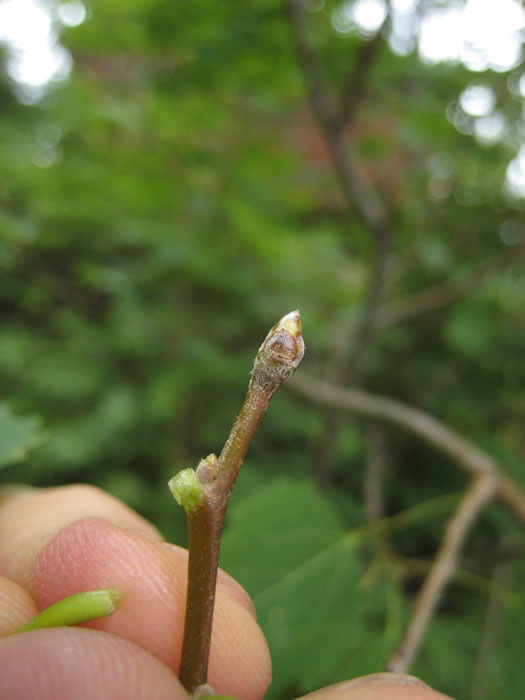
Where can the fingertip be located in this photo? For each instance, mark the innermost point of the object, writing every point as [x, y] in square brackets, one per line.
[30, 518]
[237, 638]
[378, 686]
[92, 554]
[227, 583]
[236, 591]
[16, 606]
[80, 664]
[235, 635]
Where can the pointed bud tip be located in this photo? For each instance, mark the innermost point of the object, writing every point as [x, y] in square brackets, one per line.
[291, 322]
[281, 351]
[207, 469]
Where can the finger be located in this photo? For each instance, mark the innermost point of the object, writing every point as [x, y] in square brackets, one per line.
[30, 518]
[379, 686]
[93, 554]
[16, 606]
[81, 664]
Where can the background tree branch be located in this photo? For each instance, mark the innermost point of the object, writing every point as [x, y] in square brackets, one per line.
[476, 497]
[446, 293]
[466, 454]
[360, 198]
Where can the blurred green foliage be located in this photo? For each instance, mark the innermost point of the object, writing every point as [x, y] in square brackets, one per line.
[18, 435]
[172, 200]
[308, 585]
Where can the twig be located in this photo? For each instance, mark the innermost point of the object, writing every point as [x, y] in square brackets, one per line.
[359, 195]
[321, 100]
[206, 492]
[368, 324]
[491, 635]
[466, 454]
[478, 495]
[374, 472]
[441, 295]
[373, 486]
[355, 82]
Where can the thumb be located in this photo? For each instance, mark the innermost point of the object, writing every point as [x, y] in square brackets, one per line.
[379, 686]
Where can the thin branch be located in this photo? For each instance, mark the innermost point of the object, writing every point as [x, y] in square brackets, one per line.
[204, 531]
[441, 295]
[368, 324]
[205, 493]
[359, 195]
[374, 471]
[373, 490]
[205, 524]
[423, 302]
[492, 633]
[476, 497]
[355, 84]
[465, 453]
[321, 100]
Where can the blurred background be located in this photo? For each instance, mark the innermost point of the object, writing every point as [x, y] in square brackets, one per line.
[174, 177]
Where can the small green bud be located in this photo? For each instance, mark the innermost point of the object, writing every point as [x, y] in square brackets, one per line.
[187, 489]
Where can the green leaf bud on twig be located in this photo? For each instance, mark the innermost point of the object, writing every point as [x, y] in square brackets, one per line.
[187, 489]
[77, 608]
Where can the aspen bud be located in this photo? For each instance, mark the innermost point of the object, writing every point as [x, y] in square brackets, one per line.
[281, 352]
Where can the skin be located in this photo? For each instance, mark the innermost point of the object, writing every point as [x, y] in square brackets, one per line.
[57, 542]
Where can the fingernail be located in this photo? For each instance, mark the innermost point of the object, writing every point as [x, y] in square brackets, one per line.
[384, 678]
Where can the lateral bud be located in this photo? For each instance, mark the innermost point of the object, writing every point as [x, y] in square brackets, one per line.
[186, 489]
[207, 469]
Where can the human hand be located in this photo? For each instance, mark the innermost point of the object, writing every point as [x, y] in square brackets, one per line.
[61, 541]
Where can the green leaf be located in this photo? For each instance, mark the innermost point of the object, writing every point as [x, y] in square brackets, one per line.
[18, 435]
[288, 547]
